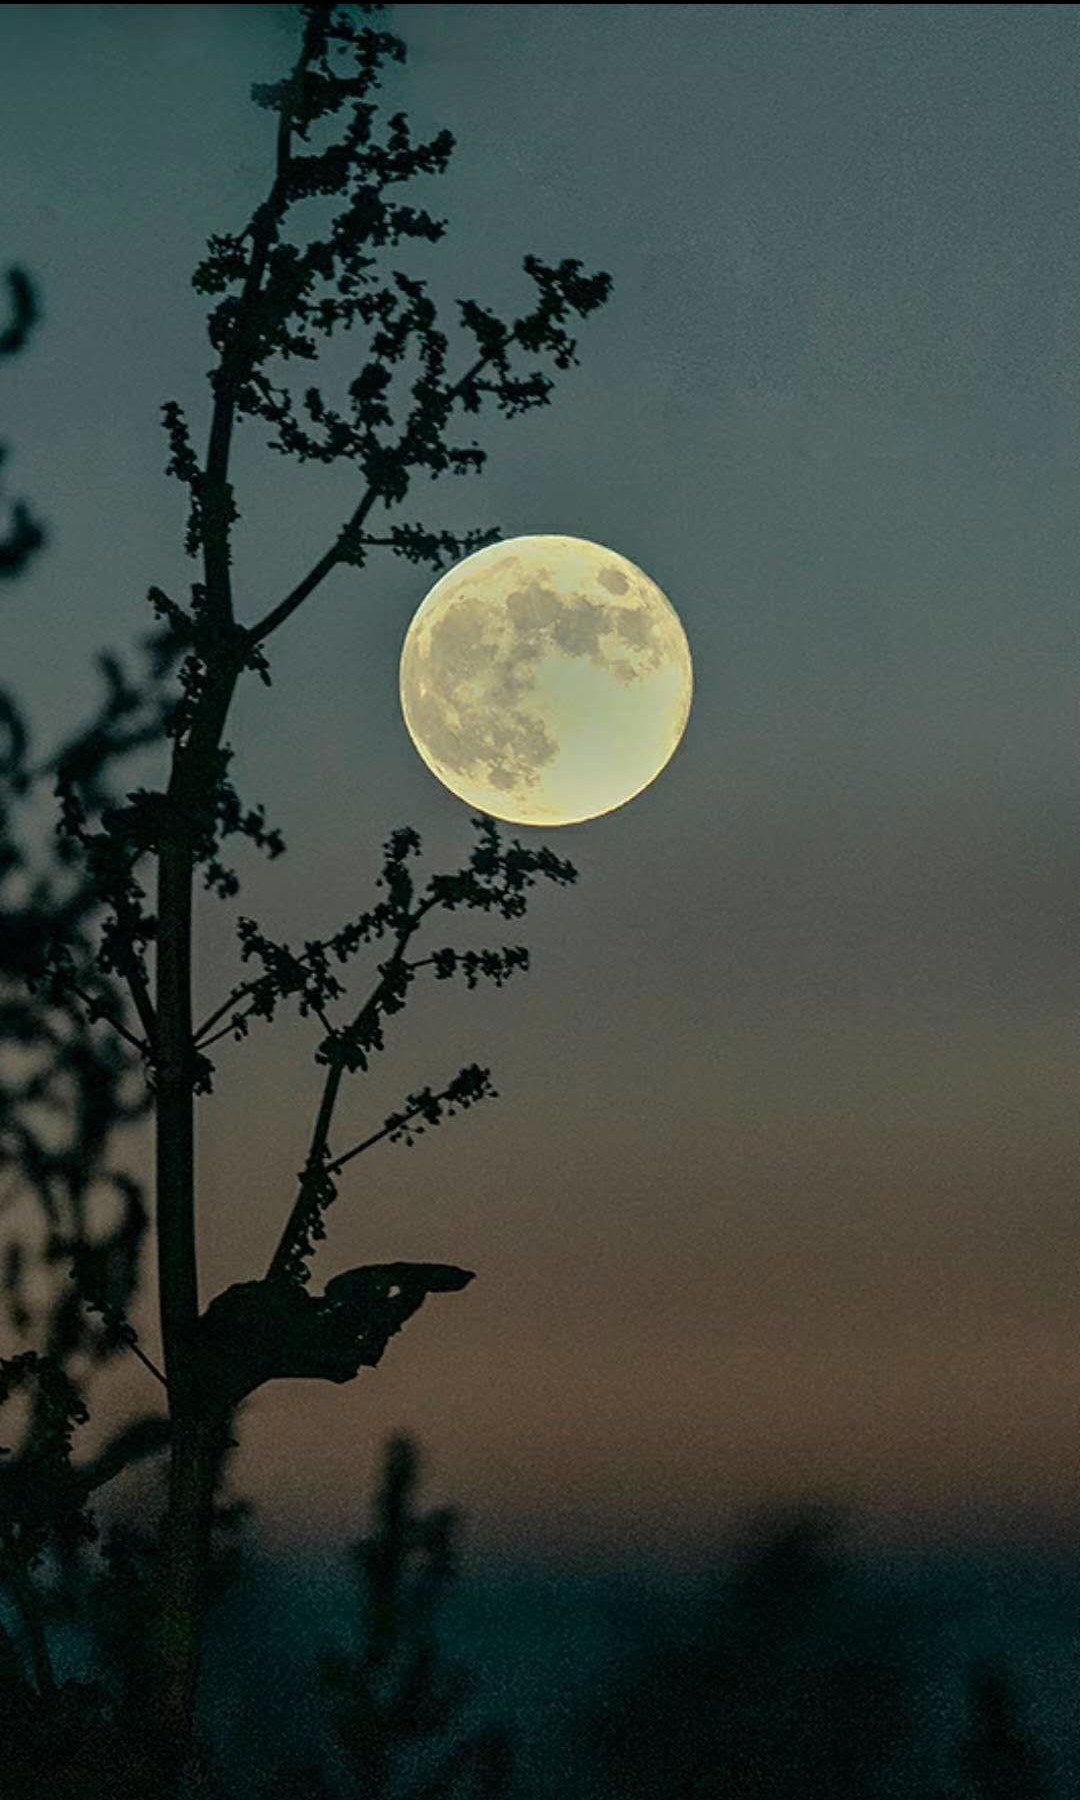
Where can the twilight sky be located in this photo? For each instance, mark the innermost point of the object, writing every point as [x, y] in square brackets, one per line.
[780, 1194]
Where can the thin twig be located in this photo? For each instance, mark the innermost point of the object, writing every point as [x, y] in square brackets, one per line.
[146, 1361]
[140, 992]
[243, 989]
[257, 634]
[233, 999]
[101, 1012]
[316, 1160]
[236, 363]
[314, 1165]
[202, 1042]
[129, 1336]
[375, 1138]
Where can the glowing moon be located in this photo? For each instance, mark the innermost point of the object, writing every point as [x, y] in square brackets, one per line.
[546, 680]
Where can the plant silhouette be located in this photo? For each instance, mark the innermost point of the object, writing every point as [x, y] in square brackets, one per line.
[21, 534]
[998, 1758]
[749, 1700]
[393, 1702]
[792, 1679]
[97, 963]
[65, 1089]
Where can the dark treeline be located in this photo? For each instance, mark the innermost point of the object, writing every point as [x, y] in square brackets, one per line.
[798, 1676]
[786, 1670]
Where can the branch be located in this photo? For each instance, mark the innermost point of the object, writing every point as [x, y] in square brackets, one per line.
[216, 501]
[241, 992]
[131, 969]
[493, 880]
[468, 1085]
[257, 634]
[384, 1131]
[311, 1195]
[308, 1197]
[127, 1335]
[119, 1328]
[97, 1010]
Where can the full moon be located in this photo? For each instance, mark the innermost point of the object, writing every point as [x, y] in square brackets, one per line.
[546, 680]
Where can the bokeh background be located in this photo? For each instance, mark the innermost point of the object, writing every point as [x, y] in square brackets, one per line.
[779, 1198]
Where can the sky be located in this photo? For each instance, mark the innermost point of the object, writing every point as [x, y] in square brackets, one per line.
[779, 1195]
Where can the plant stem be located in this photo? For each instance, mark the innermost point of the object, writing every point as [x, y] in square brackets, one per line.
[320, 1136]
[191, 1467]
[191, 791]
[177, 1269]
[191, 1478]
[179, 1296]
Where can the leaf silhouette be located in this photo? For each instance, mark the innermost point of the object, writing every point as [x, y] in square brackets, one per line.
[273, 1329]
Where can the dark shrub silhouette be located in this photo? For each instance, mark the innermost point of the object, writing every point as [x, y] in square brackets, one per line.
[394, 1702]
[998, 1757]
[792, 1680]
